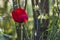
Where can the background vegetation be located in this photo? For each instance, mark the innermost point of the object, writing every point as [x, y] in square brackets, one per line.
[43, 23]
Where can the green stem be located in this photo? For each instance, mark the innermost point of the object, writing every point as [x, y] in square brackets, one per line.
[18, 29]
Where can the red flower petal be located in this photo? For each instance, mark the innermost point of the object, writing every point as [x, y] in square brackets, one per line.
[19, 15]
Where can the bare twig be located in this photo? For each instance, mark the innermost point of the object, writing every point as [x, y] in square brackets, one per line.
[25, 4]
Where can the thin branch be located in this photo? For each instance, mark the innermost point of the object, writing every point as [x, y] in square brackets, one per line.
[14, 4]
[25, 4]
[18, 3]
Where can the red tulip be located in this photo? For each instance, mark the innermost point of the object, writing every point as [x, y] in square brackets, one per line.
[19, 15]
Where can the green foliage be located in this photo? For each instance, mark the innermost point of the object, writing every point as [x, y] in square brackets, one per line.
[9, 27]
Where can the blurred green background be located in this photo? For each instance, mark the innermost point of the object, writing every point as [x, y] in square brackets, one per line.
[8, 26]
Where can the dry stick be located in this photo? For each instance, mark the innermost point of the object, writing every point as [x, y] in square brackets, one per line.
[18, 3]
[14, 4]
[24, 32]
[18, 28]
[39, 23]
[35, 21]
[25, 4]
